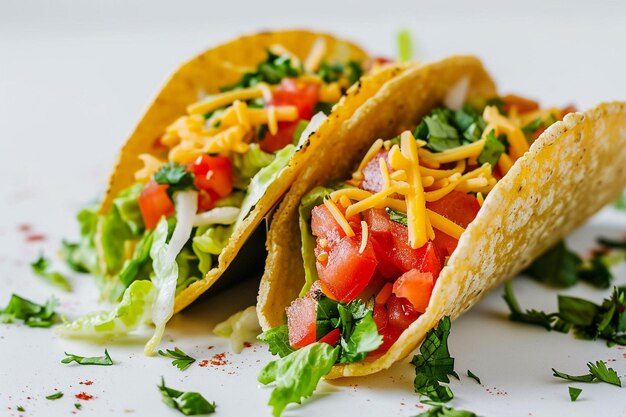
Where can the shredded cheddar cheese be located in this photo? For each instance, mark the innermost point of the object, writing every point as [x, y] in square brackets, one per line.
[480, 198]
[218, 101]
[373, 150]
[446, 226]
[455, 154]
[317, 52]
[339, 217]
[150, 167]
[364, 236]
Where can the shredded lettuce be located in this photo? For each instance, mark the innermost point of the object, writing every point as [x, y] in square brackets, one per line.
[241, 327]
[248, 164]
[208, 242]
[133, 267]
[82, 256]
[128, 315]
[127, 206]
[297, 375]
[313, 198]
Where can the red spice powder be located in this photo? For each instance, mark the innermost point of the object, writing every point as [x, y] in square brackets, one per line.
[247, 344]
[204, 363]
[35, 237]
[24, 227]
[219, 359]
[211, 347]
[86, 382]
[83, 396]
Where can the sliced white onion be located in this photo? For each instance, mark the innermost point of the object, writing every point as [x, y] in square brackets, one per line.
[186, 208]
[218, 215]
[457, 94]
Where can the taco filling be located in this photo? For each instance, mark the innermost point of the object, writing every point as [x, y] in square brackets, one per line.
[212, 167]
[373, 245]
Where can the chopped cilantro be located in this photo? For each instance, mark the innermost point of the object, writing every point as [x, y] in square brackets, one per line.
[574, 393]
[277, 340]
[95, 360]
[188, 403]
[498, 102]
[532, 126]
[323, 107]
[20, 408]
[397, 216]
[445, 129]
[597, 371]
[492, 150]
[443, 411]
[41, 268]
[78, 406]
[55, 396]
[534, 317]
[433, 364]
[271, 71]
[612, 244]
[33, 314]
[473, 376]
[181, 360]
[176, 176]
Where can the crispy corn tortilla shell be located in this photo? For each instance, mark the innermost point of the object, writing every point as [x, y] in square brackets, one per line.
[571, 171]
[222, 66]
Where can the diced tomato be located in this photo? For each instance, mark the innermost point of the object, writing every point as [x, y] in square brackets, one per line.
[213, 174]
[391, 244]
[566, 110]
[347, 272]
[416, 287]
[400, 313]
[461, 208]
[372, 177]
[432, 261]
[154, 203]
[301, 316]
[522, 104]
[290, 92]
[538, 132]
[446, 244]
[324, 225]
[389, 333]
[206, 200]
[332, 337]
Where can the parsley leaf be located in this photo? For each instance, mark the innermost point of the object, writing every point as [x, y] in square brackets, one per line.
[277, 340]
[95, 360]
[492, 150]
[20, 408]
[188, 403]
[441, 135]
[556, 267]
[181, 360]
[297, 375]
[176, 176]
[597, 371]
[443, 411]
[78, 406]
[532, 126]
[271, 71]
[473, 376]
[41, 268]
[55, 396]
[574, 393]
[433, 364]
[534, 317]
[33, 314]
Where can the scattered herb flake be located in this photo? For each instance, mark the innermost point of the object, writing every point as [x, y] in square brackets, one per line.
[492, 150]
[33, 314]
[473, 376]
[188, 403]
[95, 360]
[20, 408]
[176, 176]
[597, 371]
[55, 396]
[396, 216]
[78, 406]
[443, 411]
[181, 360]
[574, 393]
[41, 268]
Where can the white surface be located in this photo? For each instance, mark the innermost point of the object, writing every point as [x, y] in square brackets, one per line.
[74, 77]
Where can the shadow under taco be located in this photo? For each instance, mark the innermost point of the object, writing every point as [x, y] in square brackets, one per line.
[434, 191]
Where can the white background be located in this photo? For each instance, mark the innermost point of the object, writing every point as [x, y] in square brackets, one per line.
[75, 77]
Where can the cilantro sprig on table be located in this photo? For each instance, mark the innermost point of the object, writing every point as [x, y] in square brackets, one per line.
[434, 364]
[597, 372]
[33, 314]
[181, 360]
[188, 403]
[588, 320]
[443, 411]
[41, 268]
[94, 360]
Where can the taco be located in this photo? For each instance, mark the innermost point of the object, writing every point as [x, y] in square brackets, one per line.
[437, 190]
[217, 148]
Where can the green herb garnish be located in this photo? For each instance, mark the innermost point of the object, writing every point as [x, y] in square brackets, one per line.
[188, 403]
[574, 393]
[176, 176]
[473, 376]
[78, 406]
[20, 408]
[95, 360]
[181, 360]
[443, 411]
[433, 364]
[277, 340]
[597, 371]
[271, 71]
[41, 268]
[55, 396]
[33, 314]
[396, 216]
[492, 150]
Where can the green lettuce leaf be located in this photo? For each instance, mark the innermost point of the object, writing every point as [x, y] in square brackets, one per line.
[248, 164]
[133, 311]
[41, 268]
[297, 375]
[188, 403]
[208, 242]
[33, 314]
[277, 340]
